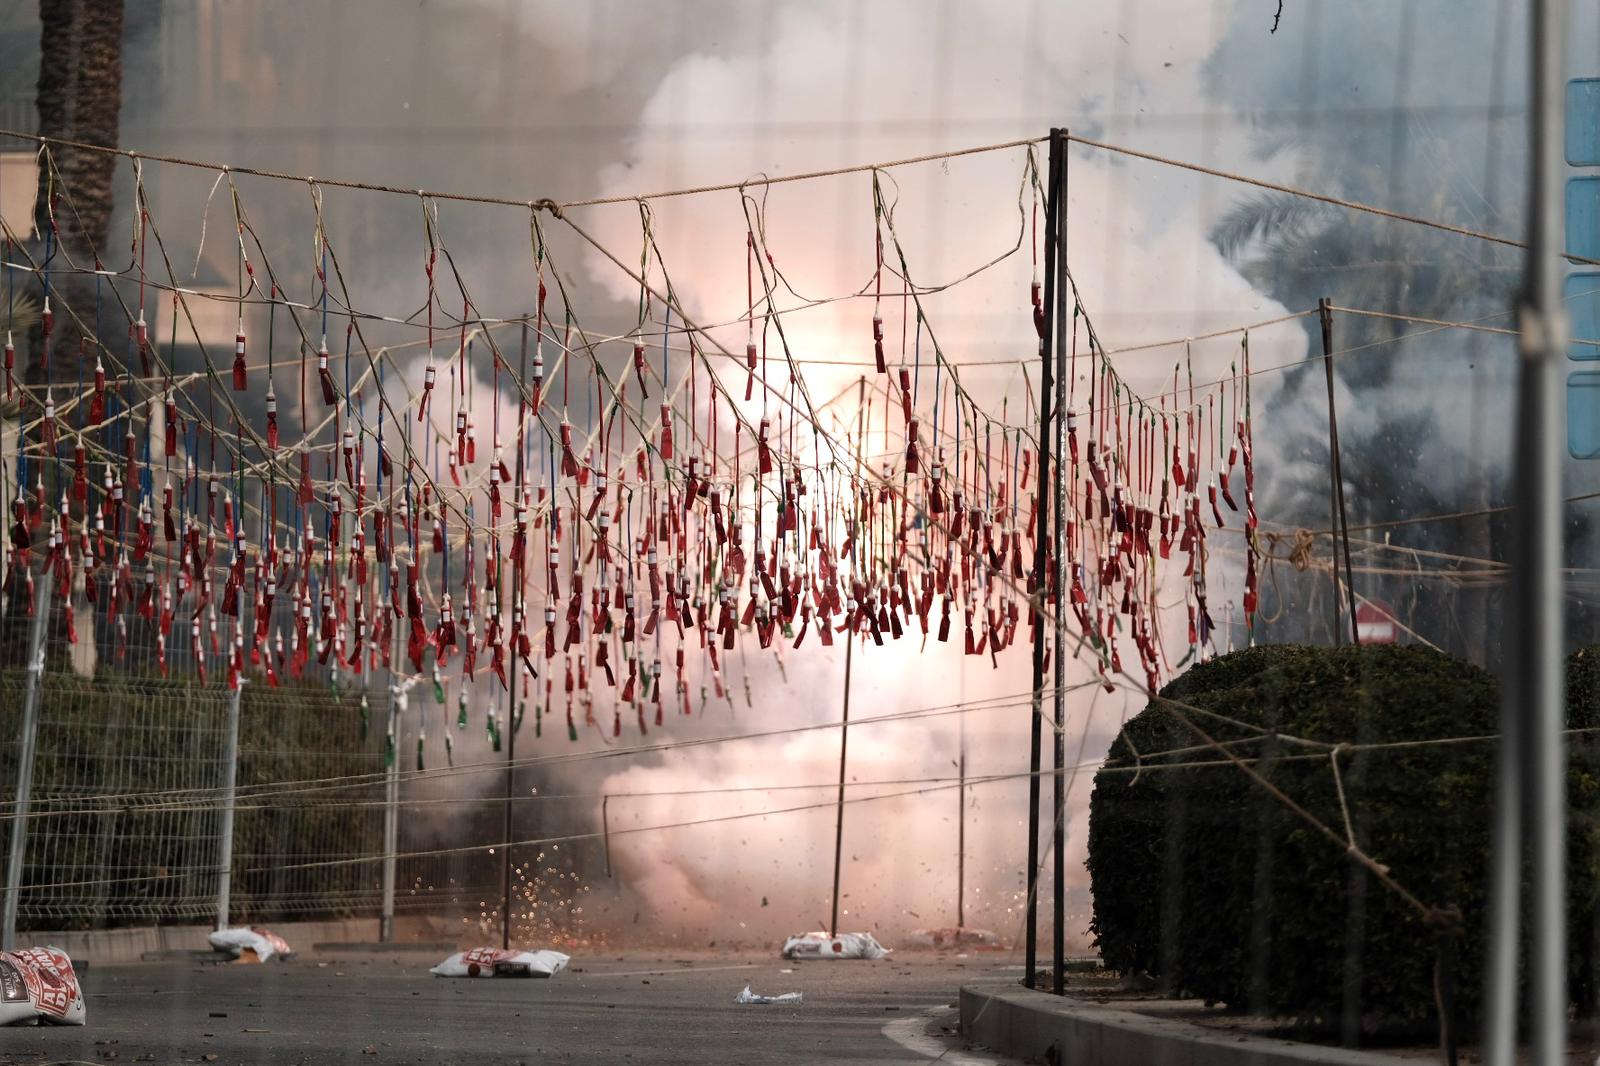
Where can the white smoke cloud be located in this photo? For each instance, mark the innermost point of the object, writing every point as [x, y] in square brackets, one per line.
[837, 84]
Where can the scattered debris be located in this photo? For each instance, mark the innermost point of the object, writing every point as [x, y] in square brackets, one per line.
[493, 962]
[39, 985]
[952, 936]
[747, 996]
[250, 943]
[843, 946]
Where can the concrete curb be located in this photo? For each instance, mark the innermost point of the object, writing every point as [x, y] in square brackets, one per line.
[1016, 1021]
[112, 946]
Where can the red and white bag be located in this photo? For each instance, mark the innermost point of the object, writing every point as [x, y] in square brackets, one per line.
[263, 942]
[843, 946]
[493, 962]
[38, 984]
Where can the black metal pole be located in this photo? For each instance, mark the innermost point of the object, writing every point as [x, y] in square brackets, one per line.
[1058, 196]
[1040, 582]
[512, 721]
[1530, 802]
[1340, 523]
[505, 852]
[961, 833]
[844, 727]
[1325, 315]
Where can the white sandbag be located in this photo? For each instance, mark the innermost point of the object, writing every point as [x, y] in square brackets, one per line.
[263, 942]
[493, 962]
[39, 984]
[747, 996]
[843, 946]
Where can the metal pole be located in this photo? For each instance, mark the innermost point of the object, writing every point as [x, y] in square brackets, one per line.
[1530, 797]
[230, 775]
[1340, 524]
[1058, 529]
[25, 753]
[391, 808]
[1545, 774]
[1336, 471]
[961, 827]
[505, 856]
[844, 729]
[844, 740]
[1326, 316]
[1041, 577]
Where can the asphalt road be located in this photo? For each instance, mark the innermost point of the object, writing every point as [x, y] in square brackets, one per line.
[613, 1007]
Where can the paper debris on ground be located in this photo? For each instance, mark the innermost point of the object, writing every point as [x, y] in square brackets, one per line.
[747, 996]
[39, 985]
[843, 946]
[251, 943]
[494, 962]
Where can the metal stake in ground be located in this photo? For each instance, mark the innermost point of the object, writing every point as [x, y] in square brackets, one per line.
[505, 855]
[1040, 582]
[1339, 523]
[391, 791]
[391, 808]
[961, 814]
[844, 727]
[25, 751]
[230, 776]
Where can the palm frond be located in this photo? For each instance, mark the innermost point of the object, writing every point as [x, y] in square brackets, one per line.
[1276, 215]
[20, 315]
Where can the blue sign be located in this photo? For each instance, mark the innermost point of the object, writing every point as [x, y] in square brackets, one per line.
[1583, 217]
[1583, 122]
[1583, 415]
[1581, 292]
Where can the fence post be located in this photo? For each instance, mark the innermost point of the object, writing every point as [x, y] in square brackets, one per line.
[25, 750]
[229, 782]
[391, 821]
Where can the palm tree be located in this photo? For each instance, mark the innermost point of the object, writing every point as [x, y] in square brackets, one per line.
[79, 98]
[1407, 464]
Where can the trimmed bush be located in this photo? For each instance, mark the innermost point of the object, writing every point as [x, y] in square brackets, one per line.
[1204, 880]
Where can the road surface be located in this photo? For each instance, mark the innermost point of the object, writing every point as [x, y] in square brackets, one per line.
[650, 1008]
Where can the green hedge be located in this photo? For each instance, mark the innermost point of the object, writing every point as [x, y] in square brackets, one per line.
[1202, 879]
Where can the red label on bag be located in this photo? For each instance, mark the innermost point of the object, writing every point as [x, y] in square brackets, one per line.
[47, 979]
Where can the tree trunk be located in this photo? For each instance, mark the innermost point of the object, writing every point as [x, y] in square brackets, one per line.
[79, 99]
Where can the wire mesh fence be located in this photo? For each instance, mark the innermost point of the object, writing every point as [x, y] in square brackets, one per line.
[125, 816]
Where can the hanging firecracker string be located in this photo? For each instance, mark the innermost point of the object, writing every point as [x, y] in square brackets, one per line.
[240, 371]
[881, 523]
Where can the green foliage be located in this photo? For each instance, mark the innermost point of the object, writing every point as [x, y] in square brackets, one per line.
[1203, 879]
